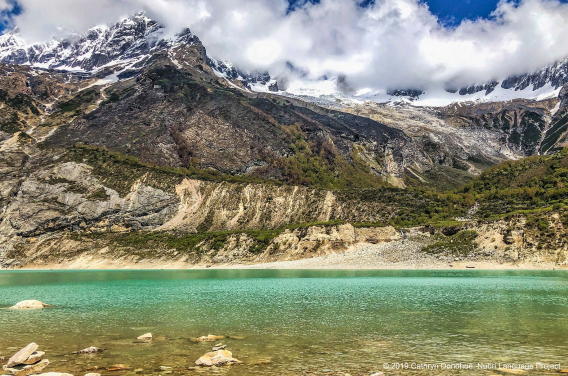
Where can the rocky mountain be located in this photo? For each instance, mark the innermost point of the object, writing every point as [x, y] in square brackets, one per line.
[127, 42]
[193, 109]
[123, 130]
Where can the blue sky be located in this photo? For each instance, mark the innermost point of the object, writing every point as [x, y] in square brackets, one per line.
[450, 12]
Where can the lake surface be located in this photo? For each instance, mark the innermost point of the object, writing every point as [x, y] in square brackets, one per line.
[293, 322]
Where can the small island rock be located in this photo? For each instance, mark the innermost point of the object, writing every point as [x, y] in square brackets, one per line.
[29, 304]
[217, 358]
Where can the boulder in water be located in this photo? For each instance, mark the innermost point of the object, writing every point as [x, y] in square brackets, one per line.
[29, 304]
[217, 358]
[145, 337]
[21, 356]
[25, 370]
[93, 374]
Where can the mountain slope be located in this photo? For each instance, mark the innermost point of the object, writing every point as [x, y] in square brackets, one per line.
[166, 102]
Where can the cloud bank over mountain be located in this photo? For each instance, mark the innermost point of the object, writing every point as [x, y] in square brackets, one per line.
[389, 44]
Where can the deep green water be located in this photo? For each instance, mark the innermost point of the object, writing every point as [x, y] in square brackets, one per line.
[324, 322]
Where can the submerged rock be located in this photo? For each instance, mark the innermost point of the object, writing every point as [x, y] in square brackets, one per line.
[25, 370]
[55, 374]
[219, 347]
[145, 337]
[89, 350]
[207, 338]
[92, 374]
[117, 367]
[29, 304]
[217, 358]
[21, 356]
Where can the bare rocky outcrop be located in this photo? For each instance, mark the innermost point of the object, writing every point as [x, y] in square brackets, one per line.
[46, 206]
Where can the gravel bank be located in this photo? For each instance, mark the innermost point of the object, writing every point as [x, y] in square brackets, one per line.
[405, 254]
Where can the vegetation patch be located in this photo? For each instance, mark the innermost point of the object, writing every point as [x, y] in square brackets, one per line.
[119, 172]
[460, 244]
[98, 195]
[24, 138]
[83, 99]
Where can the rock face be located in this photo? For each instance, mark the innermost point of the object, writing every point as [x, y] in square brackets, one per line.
[557, 134]
[217, 358]
[30, 304]
[521, 124]
[43, 203]
[21, 356]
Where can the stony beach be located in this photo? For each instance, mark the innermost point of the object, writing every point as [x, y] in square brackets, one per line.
[404, 254]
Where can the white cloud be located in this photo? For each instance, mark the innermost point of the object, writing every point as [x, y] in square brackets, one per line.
[393, 44]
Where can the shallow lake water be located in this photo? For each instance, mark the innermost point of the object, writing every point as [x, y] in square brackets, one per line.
[291, 322]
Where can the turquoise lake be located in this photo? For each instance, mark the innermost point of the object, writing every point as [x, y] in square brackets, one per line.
[290, 322]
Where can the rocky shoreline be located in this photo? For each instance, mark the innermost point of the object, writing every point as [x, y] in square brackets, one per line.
[29, 361]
